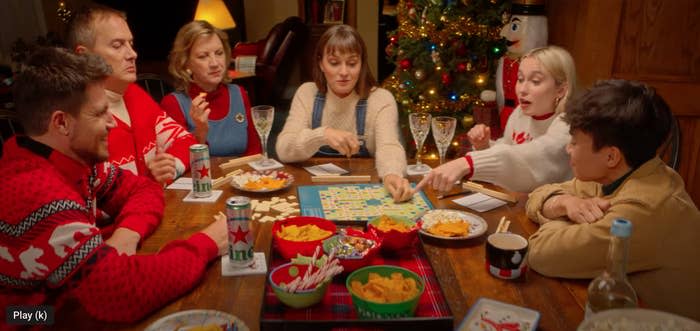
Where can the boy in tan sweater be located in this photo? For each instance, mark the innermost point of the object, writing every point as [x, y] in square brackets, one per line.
[616, 128]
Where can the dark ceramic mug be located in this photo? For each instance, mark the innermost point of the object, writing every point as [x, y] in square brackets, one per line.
[505, 255]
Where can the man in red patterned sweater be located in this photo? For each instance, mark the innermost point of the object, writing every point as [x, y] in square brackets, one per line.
[145, 141]
[53, 181]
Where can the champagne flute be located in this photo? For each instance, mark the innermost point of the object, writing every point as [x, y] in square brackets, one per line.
[420, 126]
[263, 116]
[443, 131]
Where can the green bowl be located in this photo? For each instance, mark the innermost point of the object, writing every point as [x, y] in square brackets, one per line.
[373, 310]
[301, 299]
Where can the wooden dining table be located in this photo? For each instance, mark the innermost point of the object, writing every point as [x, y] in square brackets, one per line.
[459, 266]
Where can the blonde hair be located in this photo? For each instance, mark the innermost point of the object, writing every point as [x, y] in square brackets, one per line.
[560, 65]
[344, 39]
[180, 53]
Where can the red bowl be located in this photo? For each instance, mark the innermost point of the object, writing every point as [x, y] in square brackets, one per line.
[353, 263]
[289, 249]
[394, 239]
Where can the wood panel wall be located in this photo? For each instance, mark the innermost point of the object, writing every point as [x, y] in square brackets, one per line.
[654, 41]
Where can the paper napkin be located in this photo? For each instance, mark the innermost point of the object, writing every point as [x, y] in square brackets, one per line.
[274, 165]
[259, 267]
[215, 194]
[326, 170]
[479, 202]
[182, 183]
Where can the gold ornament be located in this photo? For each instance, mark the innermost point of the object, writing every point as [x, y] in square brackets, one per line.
[419, 74]
[467, 121]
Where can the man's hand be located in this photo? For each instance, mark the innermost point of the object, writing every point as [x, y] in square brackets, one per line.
[344, 142]
[479, 136]
[162, 167]
[443, 178]
[398, 187]
[218, 232]
[200, 116]
[578, 210]
[125, 241]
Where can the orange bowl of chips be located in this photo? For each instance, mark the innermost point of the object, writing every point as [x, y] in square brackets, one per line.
[301, 235]
[395, 232]
[353, 248]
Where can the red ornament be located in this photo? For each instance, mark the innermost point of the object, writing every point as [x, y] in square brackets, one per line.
[389, 50]
[405, 64]
[446, 78]
[459, 47]
[393, 40]
[461, 67]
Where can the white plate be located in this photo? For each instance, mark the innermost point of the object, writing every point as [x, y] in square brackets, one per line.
[477, 225]
[489, 315]
[240, 180]
[637, 319]
[188, 319]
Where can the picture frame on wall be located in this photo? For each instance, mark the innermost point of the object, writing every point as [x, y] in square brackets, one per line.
[334, 12]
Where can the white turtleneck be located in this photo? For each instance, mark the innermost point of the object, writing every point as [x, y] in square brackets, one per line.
[117, 106]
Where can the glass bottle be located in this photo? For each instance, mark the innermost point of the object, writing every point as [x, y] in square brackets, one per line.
[612, 289]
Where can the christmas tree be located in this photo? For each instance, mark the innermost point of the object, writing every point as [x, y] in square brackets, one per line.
[446, 53]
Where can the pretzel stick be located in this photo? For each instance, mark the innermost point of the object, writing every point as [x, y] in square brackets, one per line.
[239, 161]
[492, 193]
[500, 224]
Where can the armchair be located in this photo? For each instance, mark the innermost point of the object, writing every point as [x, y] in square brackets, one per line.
[275, 58]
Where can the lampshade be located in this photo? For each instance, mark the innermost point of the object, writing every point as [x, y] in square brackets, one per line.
[214, 12]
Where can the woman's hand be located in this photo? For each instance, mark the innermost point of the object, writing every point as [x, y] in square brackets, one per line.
[199, 112]
[479, 136]
[398, 187]
[344, 142]
[443, 178]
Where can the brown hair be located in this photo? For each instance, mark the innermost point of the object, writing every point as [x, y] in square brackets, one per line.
[54, 79]
[81, 29]
[626, 114]
[182, 46]
[343, 39]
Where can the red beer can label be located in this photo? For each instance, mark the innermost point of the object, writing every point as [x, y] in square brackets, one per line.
[240, 233]
[201, 170]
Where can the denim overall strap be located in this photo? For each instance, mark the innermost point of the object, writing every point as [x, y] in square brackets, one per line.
[227, 136]
[185, 104]
[360, 114]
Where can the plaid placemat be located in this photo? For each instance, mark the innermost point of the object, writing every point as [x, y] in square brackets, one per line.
[337, 309]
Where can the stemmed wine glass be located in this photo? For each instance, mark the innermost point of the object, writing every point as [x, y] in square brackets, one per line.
[443, 131]
[262, 119]
[420, 126]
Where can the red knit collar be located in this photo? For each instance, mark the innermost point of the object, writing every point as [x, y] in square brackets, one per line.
[543, 117]
[194, 90]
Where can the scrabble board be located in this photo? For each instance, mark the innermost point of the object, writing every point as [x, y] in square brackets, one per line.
[357, 202]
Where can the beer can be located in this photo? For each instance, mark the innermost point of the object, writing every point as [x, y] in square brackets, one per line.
[201, 170]
[240, 233]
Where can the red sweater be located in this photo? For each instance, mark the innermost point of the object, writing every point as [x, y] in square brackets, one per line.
[131, 147]
[51, 245]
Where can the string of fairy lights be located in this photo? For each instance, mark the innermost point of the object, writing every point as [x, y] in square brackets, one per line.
[445, 52]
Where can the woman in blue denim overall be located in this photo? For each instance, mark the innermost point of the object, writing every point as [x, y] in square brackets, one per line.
[344, 113]
[216, 113]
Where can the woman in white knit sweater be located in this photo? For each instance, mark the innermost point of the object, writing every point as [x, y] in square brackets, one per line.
[532, 151]
[343, 112]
